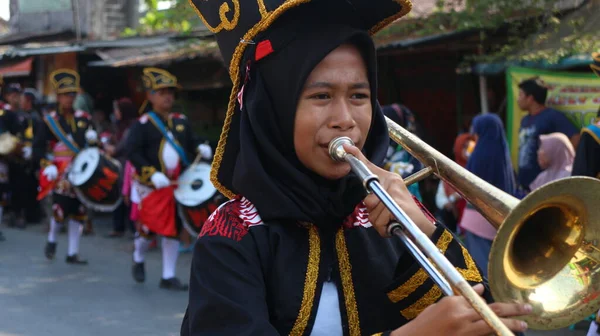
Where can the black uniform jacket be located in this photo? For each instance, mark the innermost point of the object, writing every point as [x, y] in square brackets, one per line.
[255, 278]
[44, 139]
[8, 122]
[145, 143]
[587, 157]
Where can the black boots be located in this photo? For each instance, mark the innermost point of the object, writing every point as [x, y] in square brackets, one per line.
[138, 272]
[50, 252]
[173, 284]
[74, 259]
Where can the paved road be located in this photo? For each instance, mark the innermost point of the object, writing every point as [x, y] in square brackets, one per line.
[38, 297]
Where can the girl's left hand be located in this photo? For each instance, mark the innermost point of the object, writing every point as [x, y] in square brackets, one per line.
[379, 215]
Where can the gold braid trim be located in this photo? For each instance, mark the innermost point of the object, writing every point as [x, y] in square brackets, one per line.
[310, 282]
[234, 74]
[406, 7]
[471, 273]
[419, 278]
[427, 300]
[378, 334]
[591, 133]
[346, 275]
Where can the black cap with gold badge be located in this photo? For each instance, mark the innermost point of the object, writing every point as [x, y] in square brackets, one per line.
[65, 81]
[156, 79]
[240, 27]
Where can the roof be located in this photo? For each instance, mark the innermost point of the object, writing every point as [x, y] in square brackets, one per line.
[118, 52]
[153, 55]
[40, 36]
[564, 45]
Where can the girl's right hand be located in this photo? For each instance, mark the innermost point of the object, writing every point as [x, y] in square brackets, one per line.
[454, 316]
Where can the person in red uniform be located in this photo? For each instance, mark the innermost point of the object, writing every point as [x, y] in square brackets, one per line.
[56, 142]
[160, 145]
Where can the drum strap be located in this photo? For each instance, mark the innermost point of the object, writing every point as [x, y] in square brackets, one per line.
[59, 133]
[170, 138]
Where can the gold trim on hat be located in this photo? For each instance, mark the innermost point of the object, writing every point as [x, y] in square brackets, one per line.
[234, 65]
[151, 80]
[65, 81]
[223, 9]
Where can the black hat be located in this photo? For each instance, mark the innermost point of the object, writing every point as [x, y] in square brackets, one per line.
[596, 63]
[32, 94]
[155, 78]
[65, 81]
[240, 25]
[13, 88]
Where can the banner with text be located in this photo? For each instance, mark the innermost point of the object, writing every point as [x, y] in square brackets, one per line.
[577, 95]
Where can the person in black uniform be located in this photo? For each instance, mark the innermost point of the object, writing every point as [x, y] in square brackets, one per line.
[23, 179]
[56, 141]
[8, 127]
[161, 145]
[300, 249]
[587, 156]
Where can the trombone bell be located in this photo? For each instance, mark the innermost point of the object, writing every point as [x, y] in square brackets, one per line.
[545, 254]
[546, 250]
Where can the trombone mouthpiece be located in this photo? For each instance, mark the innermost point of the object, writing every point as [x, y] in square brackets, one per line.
[336, 148]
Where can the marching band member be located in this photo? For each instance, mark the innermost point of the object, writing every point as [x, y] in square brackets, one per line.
[299, 248]
[22, 171]
[7, 125]
[587, 156]
[160, 145]
[56, 141]
[12, 95]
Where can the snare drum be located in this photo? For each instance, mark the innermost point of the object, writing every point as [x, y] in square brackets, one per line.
[196, 197]
[96, 180]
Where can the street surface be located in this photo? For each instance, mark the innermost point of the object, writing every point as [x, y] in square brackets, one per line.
[38, 297]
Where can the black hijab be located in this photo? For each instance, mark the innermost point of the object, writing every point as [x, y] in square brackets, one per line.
[267, 171]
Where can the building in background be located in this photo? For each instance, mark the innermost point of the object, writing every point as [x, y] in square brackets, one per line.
[94, 19]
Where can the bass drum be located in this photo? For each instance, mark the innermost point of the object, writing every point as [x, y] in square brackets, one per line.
[196, 197]
[96, 180]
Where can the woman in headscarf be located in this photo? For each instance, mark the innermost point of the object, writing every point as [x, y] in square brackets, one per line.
[450, 204]
[555, 156]
[125, 116]
[491, 162]
[299, 249]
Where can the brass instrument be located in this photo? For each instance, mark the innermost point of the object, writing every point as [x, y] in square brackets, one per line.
[546, 249]
[444, 274]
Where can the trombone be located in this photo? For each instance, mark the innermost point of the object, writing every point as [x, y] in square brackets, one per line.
[545, 252]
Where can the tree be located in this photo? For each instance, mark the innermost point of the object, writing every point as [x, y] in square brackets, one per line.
[522, 24]
[180, 17]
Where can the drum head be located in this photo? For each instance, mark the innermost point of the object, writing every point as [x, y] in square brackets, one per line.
[84, 165]
[195, 187]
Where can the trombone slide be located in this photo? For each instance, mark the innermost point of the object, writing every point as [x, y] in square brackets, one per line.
[406, 229]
